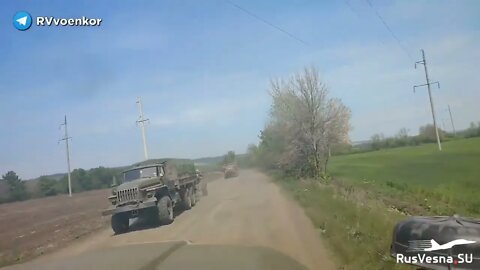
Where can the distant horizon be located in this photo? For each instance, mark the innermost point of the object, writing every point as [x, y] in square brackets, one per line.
[353, 143]
[122, 166]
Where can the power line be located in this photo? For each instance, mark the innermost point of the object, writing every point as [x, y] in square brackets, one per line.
[251, 14]
[451, 121]
[358, 15]
[389, 29]
[350, 7]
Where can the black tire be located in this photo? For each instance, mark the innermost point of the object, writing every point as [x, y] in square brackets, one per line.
[120, 223]
[165, 210]
[193, 196]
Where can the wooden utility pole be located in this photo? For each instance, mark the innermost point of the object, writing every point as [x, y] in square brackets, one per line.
[424, 63]
[66, 139]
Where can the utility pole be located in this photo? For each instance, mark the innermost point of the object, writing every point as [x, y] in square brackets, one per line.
[66, 139]
[451, 120]
[141, 120]
[424, 63]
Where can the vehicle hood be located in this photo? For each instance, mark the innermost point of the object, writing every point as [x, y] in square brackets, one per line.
[176, 255]
[139, 183]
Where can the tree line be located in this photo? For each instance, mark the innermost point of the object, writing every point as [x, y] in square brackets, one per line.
[426, 134]
[228, 158]
[82, 180]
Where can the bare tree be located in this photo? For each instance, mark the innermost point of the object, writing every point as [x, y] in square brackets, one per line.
[377, 140]
[310, 120]
[402, 133]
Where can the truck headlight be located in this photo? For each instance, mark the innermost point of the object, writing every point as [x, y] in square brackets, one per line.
[150, 193]
[113, 199]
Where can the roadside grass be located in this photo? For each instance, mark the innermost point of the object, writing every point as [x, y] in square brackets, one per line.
[432, 182]
[370, 192]
[357, 230]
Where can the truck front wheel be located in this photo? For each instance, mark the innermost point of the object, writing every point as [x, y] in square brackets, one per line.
[165, 210]
[120, 223]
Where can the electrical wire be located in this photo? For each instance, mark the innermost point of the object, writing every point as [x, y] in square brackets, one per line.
[251, 14]
[389, 29]
[359, 16]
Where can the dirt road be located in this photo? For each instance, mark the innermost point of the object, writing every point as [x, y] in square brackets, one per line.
[245, 210]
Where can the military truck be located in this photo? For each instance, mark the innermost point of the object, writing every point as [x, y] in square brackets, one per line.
[152, 191]
[230, 170]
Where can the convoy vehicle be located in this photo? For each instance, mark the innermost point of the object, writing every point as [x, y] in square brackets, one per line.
[153, 191]
[230, 170]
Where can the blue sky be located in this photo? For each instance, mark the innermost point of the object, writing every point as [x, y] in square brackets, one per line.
[203, 69]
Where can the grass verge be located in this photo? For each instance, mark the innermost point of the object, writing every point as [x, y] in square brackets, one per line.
[357, 233]
[372, 191]
[432, 182]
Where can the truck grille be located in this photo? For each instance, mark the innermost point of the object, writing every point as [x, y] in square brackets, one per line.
[127, 195]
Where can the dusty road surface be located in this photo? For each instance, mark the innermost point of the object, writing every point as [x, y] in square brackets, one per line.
[245, 210]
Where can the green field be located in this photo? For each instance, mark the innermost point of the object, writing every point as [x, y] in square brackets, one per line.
[442, 182]
[370, 192]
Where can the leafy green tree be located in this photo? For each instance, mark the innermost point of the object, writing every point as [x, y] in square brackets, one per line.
[229, 158]
[16, 187]
[473, 130]
[251, 158]
[47, 186]
[61, 186]
[81, 180]
[310, 121]
[101, 177]
[272, 150]
[377, 141]
[427, 133]
[402, 138]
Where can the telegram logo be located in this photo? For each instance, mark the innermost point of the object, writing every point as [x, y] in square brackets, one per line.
[22, 20]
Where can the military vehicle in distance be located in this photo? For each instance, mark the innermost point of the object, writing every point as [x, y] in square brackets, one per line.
[152, 190]
[230, 170]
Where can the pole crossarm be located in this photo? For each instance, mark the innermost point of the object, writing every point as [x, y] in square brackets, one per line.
[426, 84]
[63, 139]
[419, 62]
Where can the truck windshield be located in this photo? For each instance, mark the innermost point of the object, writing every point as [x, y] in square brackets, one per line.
[140, 173]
